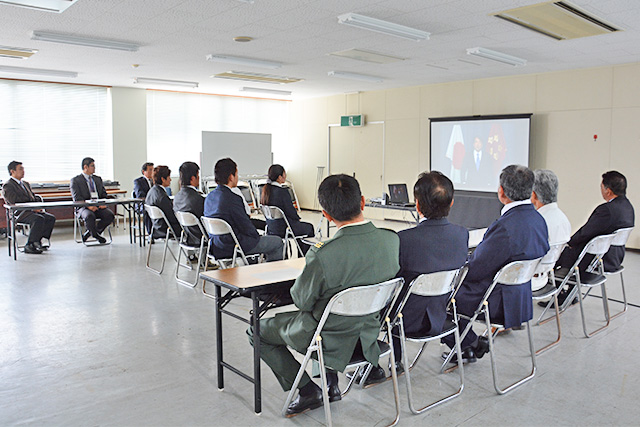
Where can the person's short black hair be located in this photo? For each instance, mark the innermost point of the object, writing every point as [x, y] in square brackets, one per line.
[274, 172]
[434, 193]
[616, 182]
[145, 165]
[517, 182]
[340, 196]
[187, 171]
[13, 166]
[160, 172]
[87, 161]
[223, 169]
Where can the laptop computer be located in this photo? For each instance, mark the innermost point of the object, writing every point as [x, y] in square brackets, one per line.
[398, 195]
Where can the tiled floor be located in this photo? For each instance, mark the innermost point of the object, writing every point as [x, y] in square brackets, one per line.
[90, 337]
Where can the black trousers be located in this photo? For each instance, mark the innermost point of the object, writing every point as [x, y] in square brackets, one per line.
[41, 224]
[96, 222]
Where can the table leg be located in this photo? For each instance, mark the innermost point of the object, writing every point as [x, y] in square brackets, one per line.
[9, 241]
[14, 242]
[132, 236]
[218, 315]
[257, 389]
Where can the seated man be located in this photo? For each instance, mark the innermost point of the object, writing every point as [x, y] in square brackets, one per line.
[16, 190]
[223, 203]
[359, 254]
[88, 186]
[544, 199]
[189, 198]
[141, 187]
[158, 197]
[608, 217]
[519, 234]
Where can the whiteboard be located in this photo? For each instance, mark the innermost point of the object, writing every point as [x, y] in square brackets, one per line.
[251, 151]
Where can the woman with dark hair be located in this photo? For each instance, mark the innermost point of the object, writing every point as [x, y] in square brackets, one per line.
[274, 194]
[157, 196]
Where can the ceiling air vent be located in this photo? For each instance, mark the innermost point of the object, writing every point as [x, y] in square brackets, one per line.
[560, 20]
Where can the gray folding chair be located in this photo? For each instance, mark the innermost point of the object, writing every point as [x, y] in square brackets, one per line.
[432, 285]
[79, 228]
[355, 302]
[620, 239]
[273, 213]
[514, 273]
[545, 268]
[187, 219]
[156, 214]
[598, 246]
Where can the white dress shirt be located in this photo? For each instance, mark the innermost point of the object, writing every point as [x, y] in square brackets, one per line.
[559, 231]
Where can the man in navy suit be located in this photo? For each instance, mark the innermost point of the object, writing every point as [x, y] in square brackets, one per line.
[141, 187]
[225, 204]
[519, 234]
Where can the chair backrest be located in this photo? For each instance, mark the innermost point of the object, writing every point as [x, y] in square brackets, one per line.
[364, 300]
[434, 284]
[549, 260]
[272, 212]
[187, 219]
[154, 212]
[517, 272]
[216, 226]
[599, 245]
[621, 236]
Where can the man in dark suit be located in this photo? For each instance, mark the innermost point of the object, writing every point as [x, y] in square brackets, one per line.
[225, 204]
[159, 198]
[519, 234]
[88, 186]
[478, 167]
[617, 212]
[189, 198]
[16, 190]
[141, 187]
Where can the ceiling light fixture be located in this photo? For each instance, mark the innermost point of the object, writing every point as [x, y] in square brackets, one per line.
[57, 6]
[354, 76]
[269, 91]
[237, 60]
[384, 27]
[163, 82]
[83, 41]
[16, 52]
[37, 71]
[255, 77]
[367, 56]
[497, 56]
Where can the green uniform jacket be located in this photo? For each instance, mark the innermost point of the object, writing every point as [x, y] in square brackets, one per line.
[357, 255]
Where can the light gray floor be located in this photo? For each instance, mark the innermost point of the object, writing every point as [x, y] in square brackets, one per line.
[90, 337]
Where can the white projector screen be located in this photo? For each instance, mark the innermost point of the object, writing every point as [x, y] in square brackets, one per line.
[472, 151]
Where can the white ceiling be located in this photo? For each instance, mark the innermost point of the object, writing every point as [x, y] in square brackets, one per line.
[176, 35]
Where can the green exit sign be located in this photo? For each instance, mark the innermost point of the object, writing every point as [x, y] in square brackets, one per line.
[357, 120]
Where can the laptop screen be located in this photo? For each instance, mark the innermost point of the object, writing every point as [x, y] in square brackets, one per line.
[398, 193]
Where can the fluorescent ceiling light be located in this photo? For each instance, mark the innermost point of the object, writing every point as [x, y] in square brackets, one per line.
[384, 27]
[83, 41]
[57, 6]
[37, 71]
[16, 52]
[269, 91]
[354, 76]
[497, 56]
[244, 61]
[367, 56]
[163, 82]
[255, 77]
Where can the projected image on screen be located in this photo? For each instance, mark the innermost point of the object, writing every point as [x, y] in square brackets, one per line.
[472, 151]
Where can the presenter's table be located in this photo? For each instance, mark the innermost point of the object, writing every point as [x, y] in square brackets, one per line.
[12, 212]
[262, 283]
[411, 209]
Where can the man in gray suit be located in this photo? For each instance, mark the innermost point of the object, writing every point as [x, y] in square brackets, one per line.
[88, 186]
[189, 198]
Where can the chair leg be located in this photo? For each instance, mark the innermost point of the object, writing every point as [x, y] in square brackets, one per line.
[624, 299]
[164, 256]
[394, 373]
[605, 303]
[303, 367]
[324, 384]
[179, 264]
[351, 381]
[557, 316]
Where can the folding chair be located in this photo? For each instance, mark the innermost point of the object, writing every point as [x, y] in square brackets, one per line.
[598, 246]
[79, 227]
[514, 273]
[545, 268]
[355, 302]
[187, 219]
[273, 213]
[156, 214]
[620, 239]
[432, 285]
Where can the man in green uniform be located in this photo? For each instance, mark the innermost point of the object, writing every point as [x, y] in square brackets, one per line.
[359, 254]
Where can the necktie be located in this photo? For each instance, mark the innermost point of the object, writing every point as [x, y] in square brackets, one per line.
[92, 186]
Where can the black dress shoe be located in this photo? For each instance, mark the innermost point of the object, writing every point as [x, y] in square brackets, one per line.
[39, 246]
[399, 368]
[304, 403]
[468, 356]
[101, 239]
[30, 248]
[85, 236]
[482, 347]
[334, 393]
[376, 376]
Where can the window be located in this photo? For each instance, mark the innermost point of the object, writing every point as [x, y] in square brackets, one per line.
[51, 127]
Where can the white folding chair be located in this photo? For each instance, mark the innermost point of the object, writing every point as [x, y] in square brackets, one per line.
[354, 302]
[545, 268]
[79, 228]
[187, 219]
[432, 285]
[273, 213]
[514, 273]
[620, 239]
[156, 214]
